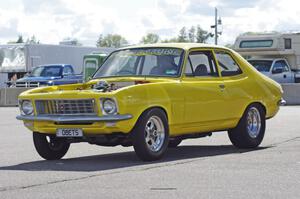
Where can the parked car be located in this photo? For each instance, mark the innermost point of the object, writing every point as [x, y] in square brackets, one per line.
[152, 97]
[46, 75]
[277, 69]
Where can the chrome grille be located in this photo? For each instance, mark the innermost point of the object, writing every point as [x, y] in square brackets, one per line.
[65, 107]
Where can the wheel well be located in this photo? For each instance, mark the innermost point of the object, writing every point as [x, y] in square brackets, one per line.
[158, 107]
[259, 104]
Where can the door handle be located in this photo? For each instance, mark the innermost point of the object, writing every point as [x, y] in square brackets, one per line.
[284, 76]
[222, 86]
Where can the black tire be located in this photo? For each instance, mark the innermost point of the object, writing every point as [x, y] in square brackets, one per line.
[241, 137]
[174, 142]
[139, 135]
[50, 147]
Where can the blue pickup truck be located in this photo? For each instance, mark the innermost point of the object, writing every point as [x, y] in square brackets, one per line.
[48, 75]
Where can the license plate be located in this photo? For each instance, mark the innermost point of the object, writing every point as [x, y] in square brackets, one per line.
[69, 133]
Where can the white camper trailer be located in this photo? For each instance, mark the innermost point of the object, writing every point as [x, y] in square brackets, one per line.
[276, 55]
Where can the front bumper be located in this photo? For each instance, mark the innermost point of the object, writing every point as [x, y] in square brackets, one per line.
[281, 102]
[75, 119]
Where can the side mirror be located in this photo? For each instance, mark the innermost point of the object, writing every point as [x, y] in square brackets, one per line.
[277, 70]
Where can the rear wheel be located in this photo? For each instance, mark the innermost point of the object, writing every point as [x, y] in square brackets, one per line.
[151, 135]
[50, 147]
[250, 130]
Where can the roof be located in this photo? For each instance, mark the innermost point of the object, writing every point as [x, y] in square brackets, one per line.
[185, 46]
[266, 59]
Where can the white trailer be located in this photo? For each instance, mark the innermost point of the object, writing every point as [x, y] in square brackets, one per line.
[274, 47]
[21, 58]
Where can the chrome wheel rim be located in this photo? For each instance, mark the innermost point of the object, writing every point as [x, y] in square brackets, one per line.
[154, 134]
[253, 122]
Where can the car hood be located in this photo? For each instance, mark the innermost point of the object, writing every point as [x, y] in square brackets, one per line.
[106, 85]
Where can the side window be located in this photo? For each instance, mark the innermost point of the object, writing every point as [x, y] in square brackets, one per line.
[201, 63]
[68, 70]
[228, 66]
[285, 66]
[287, 43]
[280, 65]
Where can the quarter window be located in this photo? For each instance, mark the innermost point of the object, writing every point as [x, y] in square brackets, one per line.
[228, 67]
[281, 65]
[201, 63]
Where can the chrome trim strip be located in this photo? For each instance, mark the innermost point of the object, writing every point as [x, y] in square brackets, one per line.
[79, 119]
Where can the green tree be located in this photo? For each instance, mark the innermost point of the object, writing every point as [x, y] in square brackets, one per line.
[150, 38]
[71, 41]
[20, 39]
[111, 40]
[182, 37]
[192, 34]
[201, 35]
[32, 40]
[172, 40]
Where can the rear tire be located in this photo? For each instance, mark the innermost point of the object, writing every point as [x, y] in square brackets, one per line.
[150, 135]
[50, 147]
[250, 130]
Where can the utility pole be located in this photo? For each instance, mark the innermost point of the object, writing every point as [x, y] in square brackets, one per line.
[215, 26]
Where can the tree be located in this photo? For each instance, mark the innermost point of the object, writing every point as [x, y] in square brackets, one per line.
[182, 37]
[192, 34]
[150, 38]
[32, 40]
[20, 39]
[172, 40]
[201, 35]
[70, 41]
[111, 40]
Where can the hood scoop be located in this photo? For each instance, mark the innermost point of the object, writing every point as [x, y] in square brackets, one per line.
[104, 86]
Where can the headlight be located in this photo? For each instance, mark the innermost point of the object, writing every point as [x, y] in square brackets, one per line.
[109, 106]
[26, 107]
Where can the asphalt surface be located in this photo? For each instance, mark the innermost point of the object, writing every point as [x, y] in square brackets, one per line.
[202, 168]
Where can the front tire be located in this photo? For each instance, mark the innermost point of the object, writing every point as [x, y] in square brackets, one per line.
[174, 142]
[50, 147]
[250, 130]
[151, 135]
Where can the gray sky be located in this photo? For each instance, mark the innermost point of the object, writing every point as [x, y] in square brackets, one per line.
[52, 20]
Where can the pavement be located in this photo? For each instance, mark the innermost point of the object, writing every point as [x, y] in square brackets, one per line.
[200, 168]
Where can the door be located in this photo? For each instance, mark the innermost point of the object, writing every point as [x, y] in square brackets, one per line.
[281, 72]
[236, 87]
[203, 93]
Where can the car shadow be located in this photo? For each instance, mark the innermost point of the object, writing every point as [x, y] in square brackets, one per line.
[126, 159]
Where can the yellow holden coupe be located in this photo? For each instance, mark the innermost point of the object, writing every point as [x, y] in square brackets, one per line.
[152, 97]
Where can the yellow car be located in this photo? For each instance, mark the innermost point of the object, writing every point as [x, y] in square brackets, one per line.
[152, 97]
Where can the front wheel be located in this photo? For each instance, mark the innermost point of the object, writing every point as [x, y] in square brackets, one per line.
[50, 147]
[250, 130]
[151, 135]
[174, 142]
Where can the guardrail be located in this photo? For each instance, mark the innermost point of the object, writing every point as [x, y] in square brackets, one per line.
[291, 93]
[9, 95]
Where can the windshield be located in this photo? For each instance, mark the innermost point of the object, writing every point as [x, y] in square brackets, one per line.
[261, 65]
[46, 71]
[142, 62]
